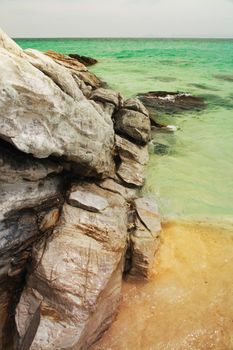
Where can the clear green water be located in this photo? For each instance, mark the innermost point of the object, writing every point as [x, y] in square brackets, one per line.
[194, 178]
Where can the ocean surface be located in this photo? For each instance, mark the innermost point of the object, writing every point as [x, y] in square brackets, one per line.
[192, 178]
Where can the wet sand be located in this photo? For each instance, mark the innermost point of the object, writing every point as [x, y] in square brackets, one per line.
[188, 304]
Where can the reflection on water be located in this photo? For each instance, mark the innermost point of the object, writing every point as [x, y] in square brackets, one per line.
[188, 305]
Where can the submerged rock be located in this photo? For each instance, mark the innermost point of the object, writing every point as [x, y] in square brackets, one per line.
[170, 102]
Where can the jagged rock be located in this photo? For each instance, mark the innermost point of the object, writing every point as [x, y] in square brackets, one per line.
[77, 68]
[78, 275]
[30, 199]
[25, 181]
[132, 160]
[38, 117]
[144, 246]
[87, 61]
[136, 105]
[107, 96]
[170, 102]
[113, 186]
[145, 239]
[59, 74]
[66, 61]
[148, 213]
[133, 124]
[81, 197]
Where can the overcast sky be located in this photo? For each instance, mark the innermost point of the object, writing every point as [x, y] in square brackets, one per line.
[117, 18]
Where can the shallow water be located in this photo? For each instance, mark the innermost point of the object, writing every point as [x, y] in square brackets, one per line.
[193, 178]
[188, 304]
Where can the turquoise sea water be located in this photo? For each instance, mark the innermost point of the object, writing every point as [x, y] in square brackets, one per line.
[193, 176]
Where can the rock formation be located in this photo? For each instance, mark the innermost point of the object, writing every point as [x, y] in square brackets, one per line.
[72, 155]
[170, 102]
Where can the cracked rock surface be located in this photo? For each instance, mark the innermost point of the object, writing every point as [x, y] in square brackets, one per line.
[72, 221]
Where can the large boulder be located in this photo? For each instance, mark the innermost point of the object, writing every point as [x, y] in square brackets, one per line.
[75, 286]
[39, 116]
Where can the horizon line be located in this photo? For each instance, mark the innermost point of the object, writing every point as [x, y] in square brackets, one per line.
[126, 37]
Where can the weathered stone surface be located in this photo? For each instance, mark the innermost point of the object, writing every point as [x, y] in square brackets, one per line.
[66, 61]
[132, 160]
[145, 239]
[87, 61]
[9, 44]
[113, 186]
[136, 105]
[170, 102]
[59, 74]
[148, 213]
[39, 118]
[78, 274]
[133, 124]
[81, 197]
[107, 95]
[29, 207]
[76, 68]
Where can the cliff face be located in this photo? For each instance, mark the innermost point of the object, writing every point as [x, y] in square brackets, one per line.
[72, 155]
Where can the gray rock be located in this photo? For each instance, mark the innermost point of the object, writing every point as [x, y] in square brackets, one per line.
[39, 118]
[78, 276]
[106, 95]
[133, 158]
[148, 213]
[81, 197]
[144, 246]
[136, 105]
[133, 124]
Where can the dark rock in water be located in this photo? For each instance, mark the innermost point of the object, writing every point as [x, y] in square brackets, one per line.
[160, 148]
[170, 102]
[87, 61]
[224, 77]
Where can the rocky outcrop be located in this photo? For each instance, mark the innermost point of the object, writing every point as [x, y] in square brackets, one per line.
[78, 69]
[87, 61]
[170, 102]
[71, 158]
[77, 275]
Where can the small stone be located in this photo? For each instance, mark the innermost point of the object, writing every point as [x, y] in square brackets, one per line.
[87, 200]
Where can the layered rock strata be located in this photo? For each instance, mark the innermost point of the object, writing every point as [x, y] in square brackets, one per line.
[72, 155]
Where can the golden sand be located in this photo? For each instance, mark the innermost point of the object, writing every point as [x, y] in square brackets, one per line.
[188, 304]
